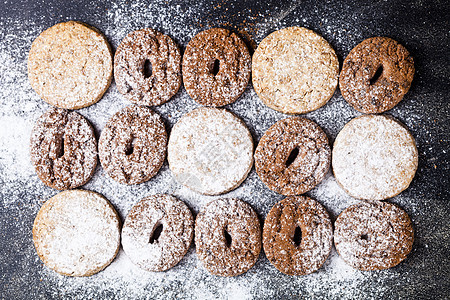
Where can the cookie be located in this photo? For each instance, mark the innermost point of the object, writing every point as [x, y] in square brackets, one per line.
[132, 146]
[227, 237]
[376, 75]
[63, 149]
[147, 67]
[297, 235]
[293, 156]
[76, 233]
[157, 232]
[210, 151]
[216, 67]
[374, 157]
[294, 70]
[70, 65]
[373, 236]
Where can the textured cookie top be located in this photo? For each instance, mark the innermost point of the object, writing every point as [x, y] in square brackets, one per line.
[373, 236]
[227, 237]
[76, 233]
[294, 70]
[374, 157]
[216, 67]
[144, 242]
[70, 65]
[147, 67]
[63, 149]
[282, 247]
[376, 75]
[210, 151]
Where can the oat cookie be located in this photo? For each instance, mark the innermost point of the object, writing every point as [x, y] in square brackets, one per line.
[376, 75]
[374, 157]
[132, 146]
[70, 65]
[216, 67]
[373, 236]
[293, 156]
[157, 232]
[76, 233]
[210, 151]
[294, 70]
[227, 237]
[63, 149]
[147, 67]
[297, 235]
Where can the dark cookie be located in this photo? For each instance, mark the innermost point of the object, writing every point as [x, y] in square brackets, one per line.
[216, 67]
[227, 237]
[63, 149]
[297, 235]
[373, 235]
[147, 67]
[157, 232]
[132, 146]
[293, 156]
[376, 75]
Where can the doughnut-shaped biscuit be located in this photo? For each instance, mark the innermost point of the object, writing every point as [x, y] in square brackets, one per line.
[147, 67]
[294, 70]
[227, 237]
[293, 156]
[132, 146]
[210, 151]
[216, 67]
[76, 233]
[374, 157]
[373, 236]
[376, 75]
[297, 235]
[70, 65]
[63, 149]
[157, 232]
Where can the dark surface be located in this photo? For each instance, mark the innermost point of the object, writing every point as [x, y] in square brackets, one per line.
[421, 26]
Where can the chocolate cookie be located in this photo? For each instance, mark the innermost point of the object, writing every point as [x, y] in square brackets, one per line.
[132, 146]
[294, 70]
[147, 67]
[76, 233]
[70, 65]
[297, 235]
[157, 232]
[63, 149]
[216, 67]
[293, 156]
[376, 75]
[373, 236]
[210, 151]
[374, 157]
[227, 237]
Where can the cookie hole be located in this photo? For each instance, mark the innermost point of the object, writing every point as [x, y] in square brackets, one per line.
[297, 236]
[292, 156]
[147, 69]
[130, 147]
[376, 75]
[228, 239]
[156, 233]
[61, 149]
[364, 237]
[215, 67]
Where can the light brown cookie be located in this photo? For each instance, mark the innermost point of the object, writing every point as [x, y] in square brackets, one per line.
[373, 236]
[70, 65]
[227, 237]
[374, 157]
[294, 70]
[132, 146]
[76, 233]
[157, 232]
[297, 235]
[147, 67]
